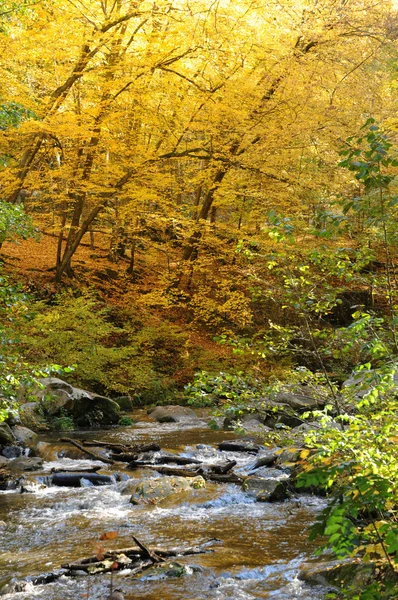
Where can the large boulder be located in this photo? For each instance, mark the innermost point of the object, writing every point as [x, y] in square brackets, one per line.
[6, 435]
[301, 398]
[173, 414]
[31, 417]
[52, 393]
[54, 383]
[57, 397]
[153, 491]
[24, 436]
[90, 409]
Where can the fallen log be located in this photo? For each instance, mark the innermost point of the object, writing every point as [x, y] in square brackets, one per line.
[76, 470]
[124, 456]
[74, 479]
[137, 554]
[223, 469]
[239, 446]
[147, 553]
[151, 447]
[178, 460]
[208, 475]
[108, 461]
[136, 559]
[173, 471]
[227, 478]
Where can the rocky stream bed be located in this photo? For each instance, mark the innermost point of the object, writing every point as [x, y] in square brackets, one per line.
[252, 549]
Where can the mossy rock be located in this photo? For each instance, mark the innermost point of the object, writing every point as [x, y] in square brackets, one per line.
[342, 574]
[125, 403]
[154, 491]
[6, 435]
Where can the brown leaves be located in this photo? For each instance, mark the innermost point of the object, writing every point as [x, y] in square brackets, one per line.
[100, 548]
[109, 535]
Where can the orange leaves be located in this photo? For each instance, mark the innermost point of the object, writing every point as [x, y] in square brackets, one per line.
[109, 535]
[99, 549]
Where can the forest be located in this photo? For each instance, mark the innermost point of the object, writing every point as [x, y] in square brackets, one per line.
[198, 208]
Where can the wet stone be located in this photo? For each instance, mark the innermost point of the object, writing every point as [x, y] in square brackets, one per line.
[338, 573]
[266, 459]
[173, 414]
[239, 446]
[6, 435]
[270, 473]
[24, 435]
[288, 456]
[266, 490]
[153, 491]
[25, 464]
[12, 451]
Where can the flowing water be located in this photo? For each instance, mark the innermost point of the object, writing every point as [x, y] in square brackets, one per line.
[257, 554]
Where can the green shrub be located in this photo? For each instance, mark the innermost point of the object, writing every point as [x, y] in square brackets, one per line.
[236, 390]
[108, 358]
[125, 421]
[63, 423]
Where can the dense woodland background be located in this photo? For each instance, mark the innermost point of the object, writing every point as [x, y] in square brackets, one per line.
[179, 166]
[198, 204]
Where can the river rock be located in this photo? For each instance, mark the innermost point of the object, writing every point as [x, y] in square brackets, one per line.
[25, 464]
[6, 435]
[357, 574]
[270, 473]
[3, 461]
[255, 427]
[267, 490]
[53, 383]
[173, 414]
[15, 587]
[288, 456]
[239, 446]
[265, 460]
[13, 417]
[12, 451]
[301, 398]
[153, 491]
[125, 403]
[306, 427]
[24, 435]
[172, 569]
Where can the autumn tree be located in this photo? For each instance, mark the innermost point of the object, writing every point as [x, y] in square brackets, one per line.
[198, 115]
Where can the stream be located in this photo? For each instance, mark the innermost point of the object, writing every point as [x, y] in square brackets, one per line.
[259, 546]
